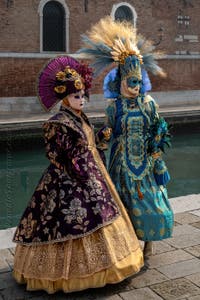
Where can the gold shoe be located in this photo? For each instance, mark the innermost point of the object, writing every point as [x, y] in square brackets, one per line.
[148, 249]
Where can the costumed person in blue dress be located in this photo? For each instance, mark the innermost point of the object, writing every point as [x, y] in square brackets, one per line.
[75, 232]
[138, 135]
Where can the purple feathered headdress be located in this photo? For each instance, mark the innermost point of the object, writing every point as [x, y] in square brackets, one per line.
[62, 76]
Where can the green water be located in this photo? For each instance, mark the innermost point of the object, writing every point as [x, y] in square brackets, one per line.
[22, 163]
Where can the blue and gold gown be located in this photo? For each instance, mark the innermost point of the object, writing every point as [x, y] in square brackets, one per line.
[132, 168]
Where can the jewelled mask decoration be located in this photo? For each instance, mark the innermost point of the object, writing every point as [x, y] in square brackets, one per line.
[131, 71]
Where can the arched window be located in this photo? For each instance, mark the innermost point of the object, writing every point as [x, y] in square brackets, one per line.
[124, 11]
[53, 27]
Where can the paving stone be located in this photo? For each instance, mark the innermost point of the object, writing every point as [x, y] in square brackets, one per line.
[17, 293]
[12, 251]
[168, 258]
[195, 278]
[112, 289]
[186, 218]
[184, 241]
[84, 295]
[6, 260]
[181, 269]
[194, 298]
[46, 297]
[91, 294]
[176, 223]
[194, 250]
[6, 236]
[10, 288]
[147, 278]
[196, 224]
[4, 266]
[176, 289]
[140, 294]
[114, 297]
[184, 230]
[196, 212]
[161, 246]
[7, 281]
[6, 254]
[186, 203]
[3, 285]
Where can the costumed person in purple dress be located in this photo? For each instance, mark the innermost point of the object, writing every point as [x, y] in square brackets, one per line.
[139, 135]
[75, 233]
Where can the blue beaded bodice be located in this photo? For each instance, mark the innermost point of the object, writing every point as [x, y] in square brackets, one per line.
[129, 135]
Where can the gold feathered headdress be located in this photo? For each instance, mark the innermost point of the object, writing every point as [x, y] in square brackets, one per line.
[113, 41]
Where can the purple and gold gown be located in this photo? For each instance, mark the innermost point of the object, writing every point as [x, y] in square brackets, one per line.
[75, 233]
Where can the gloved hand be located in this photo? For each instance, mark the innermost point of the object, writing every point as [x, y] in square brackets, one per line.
[104, 133]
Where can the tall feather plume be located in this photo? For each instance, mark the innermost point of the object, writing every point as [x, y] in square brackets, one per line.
[110, 41]
[105, 42]
[107, 31]
[149, 56]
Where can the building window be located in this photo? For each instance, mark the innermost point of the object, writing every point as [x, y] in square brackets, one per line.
[124, 11]
[54, 26]
[54, 30]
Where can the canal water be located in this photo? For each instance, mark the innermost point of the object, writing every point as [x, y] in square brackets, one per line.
[22, 162]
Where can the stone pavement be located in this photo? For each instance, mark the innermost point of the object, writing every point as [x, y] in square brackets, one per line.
[173, 272]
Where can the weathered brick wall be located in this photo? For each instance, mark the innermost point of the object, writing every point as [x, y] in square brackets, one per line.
[20, 22]
[152, 15]
[18, 76]
[182, 74]
[20, 32]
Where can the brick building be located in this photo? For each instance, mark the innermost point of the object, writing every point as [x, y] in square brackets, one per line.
[33, 31]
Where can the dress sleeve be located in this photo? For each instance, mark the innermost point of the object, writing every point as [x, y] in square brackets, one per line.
[104, 135]
[110, 114]
[158, 137]
[64, 150]
[57, 142]
[151, 108]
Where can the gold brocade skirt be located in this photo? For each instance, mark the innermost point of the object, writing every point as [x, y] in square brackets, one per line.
[108, 255]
